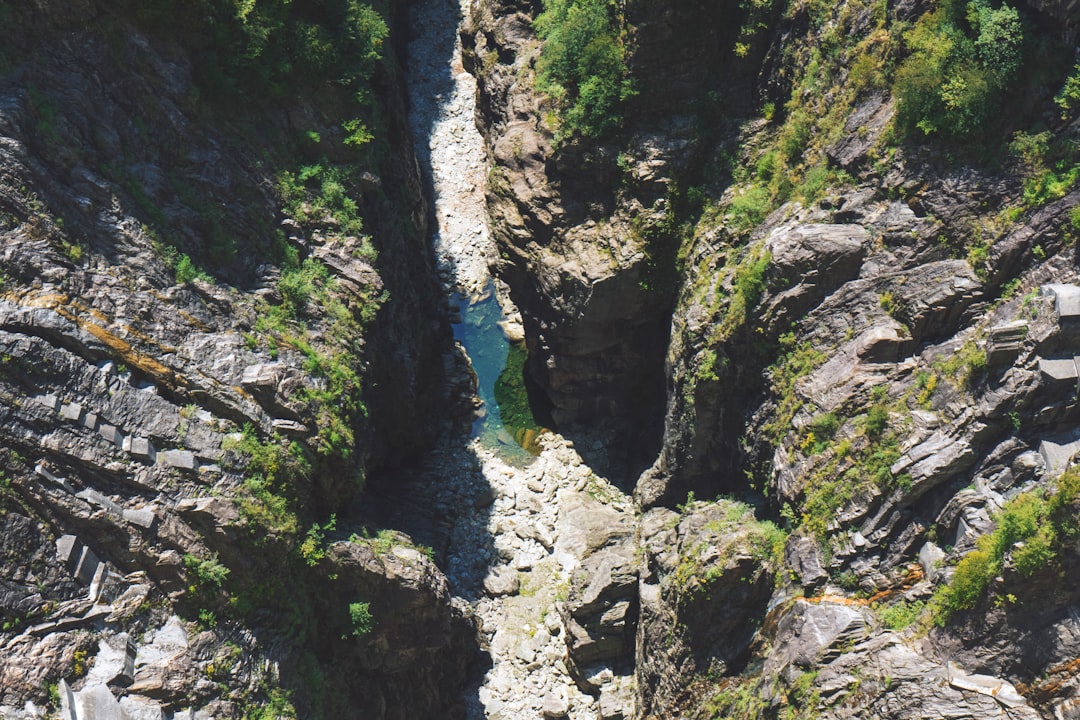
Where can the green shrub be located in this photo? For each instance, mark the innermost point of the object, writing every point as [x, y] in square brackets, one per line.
[749, 207]
[186, 271]
[360, 618]
[958, 68]
[969, 582]
[1030, 528]
[582, 66]
[877, 420]
[749, 285]
[902, 614]
[208, 572]
[964, 366]
[1068, 98]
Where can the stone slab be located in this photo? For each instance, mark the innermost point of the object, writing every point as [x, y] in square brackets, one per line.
[95, 498]
[97, 703]
[112, 434]
[1058, 453]
[142, 449]
[182, 459]
[68, 549]
[71, 411]
[87, 566]
[50, 401]
[143, 517]
[1058, 369]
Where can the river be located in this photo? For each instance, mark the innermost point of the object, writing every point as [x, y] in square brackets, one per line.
[502, 550]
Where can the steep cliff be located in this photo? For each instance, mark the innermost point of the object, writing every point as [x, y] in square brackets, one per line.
[858, 221]
[218, 316]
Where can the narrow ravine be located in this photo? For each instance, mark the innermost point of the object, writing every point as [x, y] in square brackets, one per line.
[509, 547]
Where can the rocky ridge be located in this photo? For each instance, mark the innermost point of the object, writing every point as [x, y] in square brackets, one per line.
[871, 367]
[146, 560]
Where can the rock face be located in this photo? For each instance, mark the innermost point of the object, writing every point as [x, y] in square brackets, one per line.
[878, 364]
[589, 266]
[169, 436]
[705, 584]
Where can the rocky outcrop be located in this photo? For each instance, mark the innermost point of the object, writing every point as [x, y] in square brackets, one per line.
[586, 244]
[176, 415]
[705, 583]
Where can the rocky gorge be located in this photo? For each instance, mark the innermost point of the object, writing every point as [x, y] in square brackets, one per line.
[555, 359]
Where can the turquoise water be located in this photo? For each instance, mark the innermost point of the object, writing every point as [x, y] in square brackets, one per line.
[488, 348]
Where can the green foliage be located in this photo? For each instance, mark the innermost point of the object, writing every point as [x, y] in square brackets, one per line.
[822, 429]
[320, 192]
[902, 614]
[360, 618]
[1030, 529]
[748, 286]
[313, 549]
[273, 469]
[699, 565]
[965, 366]
[208, 572]
[797, 362]
[749, 207]
[263, 48]
[186, 271]
[278, 706]
[877, 420]
[1068, 98]
[852, 468]
[958, 68]
[582, 66]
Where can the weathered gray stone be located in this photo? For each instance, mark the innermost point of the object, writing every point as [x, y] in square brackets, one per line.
[501, 580]
[182, 459]
[96, 499]
[261, 376]
[1058, 452]
[50, 401]
[803, 556]
[71, 411]
[90, 421]
[1004, 342]
[68, 549]
[930, 558]
[555, 705]
[68, 708]
[44, 472]
[143, 517]
[292, 428]
[98, 703]
[86, 567]
[141, 448]
[111, 434]
[1059, 371]
[140, 709]
[1001, 690]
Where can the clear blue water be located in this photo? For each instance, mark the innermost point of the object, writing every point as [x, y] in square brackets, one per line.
[488, 348]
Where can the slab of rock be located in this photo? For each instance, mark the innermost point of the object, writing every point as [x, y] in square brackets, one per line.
[555, 705]
[502, 580]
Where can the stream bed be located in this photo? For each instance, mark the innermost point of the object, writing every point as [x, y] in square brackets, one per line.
[509, 495]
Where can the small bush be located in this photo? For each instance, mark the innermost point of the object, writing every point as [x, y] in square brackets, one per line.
[208, 572]
[1030, 529]
[901, 615]
[1068, 98]
[360, 619]
[750, 207]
